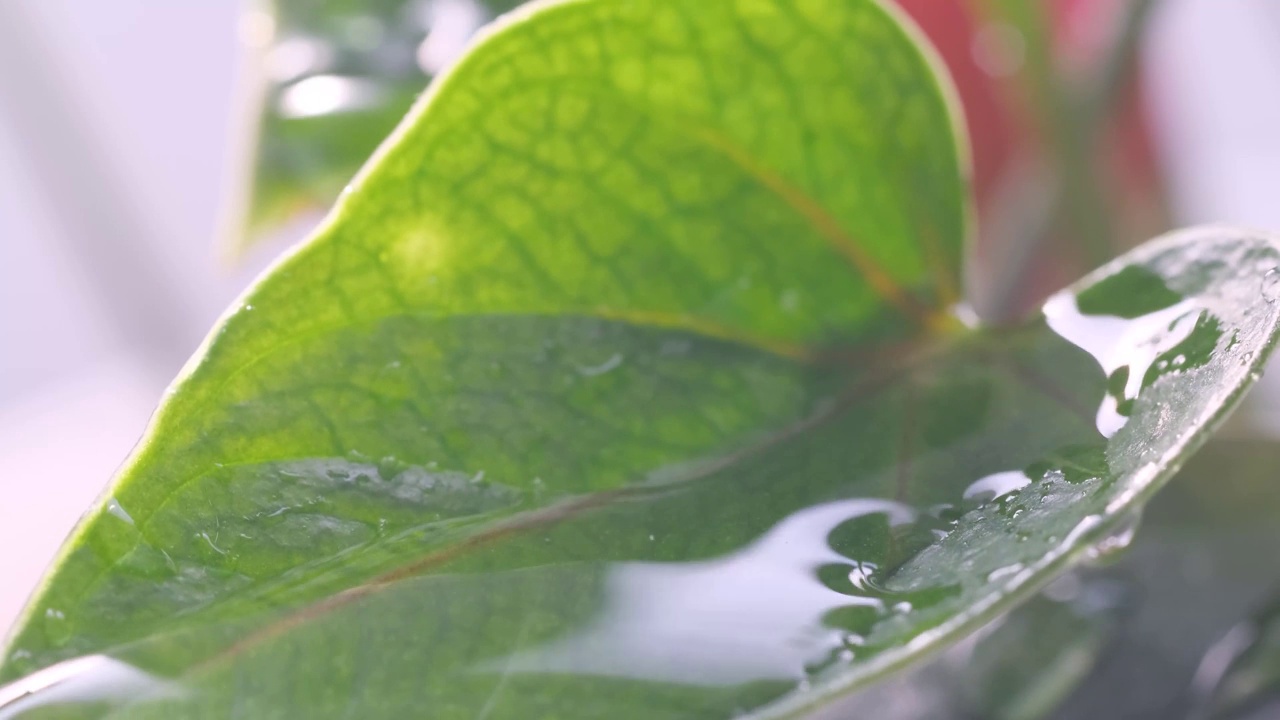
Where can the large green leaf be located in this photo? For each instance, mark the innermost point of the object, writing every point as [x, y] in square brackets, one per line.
[622, 384]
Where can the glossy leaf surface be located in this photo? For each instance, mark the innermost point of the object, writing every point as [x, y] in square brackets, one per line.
[1174, 625]
[1204, 565]
[622, 385]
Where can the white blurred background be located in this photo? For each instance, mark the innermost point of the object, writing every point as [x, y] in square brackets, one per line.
[117, 125]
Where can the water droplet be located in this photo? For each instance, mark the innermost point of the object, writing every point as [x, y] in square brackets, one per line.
[56, 628]
[115, 509]
[1179, 361]
[996, 486]
[1271, 285]
[1116, 541]
[1004, 572]
[389, 467]
[902, 608]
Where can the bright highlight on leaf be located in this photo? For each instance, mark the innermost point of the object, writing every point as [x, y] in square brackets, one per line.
[623, 384]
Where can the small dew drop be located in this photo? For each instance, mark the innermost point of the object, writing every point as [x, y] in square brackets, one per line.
[996, 486]
[1004, 572]
[1271, 285]
[1179, 361]
[1120, 538]
[902, 608]
[56, 628]
[114, 508]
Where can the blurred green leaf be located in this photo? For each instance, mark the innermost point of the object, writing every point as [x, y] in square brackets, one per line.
[1241, 672]
[337, 77]
[622, 384]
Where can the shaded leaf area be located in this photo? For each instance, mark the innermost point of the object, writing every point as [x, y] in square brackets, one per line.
[890, 506]
[338, 78]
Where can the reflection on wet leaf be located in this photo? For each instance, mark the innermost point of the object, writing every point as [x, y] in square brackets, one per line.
[786, 571]
[595, 399]
[1198, 571]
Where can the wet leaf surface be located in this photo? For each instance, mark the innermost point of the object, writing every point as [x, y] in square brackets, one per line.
[623, 383]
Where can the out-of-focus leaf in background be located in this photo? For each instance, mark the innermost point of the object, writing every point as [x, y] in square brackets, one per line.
[336, 76]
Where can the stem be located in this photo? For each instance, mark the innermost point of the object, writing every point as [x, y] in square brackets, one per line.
[1076, 126]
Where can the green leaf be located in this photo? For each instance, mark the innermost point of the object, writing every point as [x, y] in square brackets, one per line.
[337, 76]
[1179, 622]
[622, 384]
